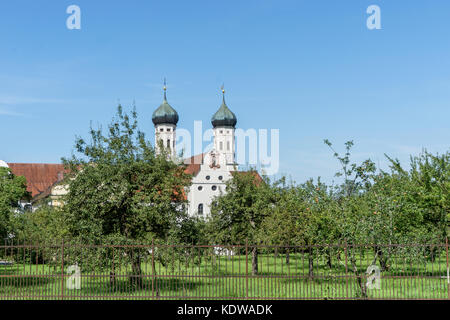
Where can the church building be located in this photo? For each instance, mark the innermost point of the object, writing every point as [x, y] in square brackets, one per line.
[211, 170]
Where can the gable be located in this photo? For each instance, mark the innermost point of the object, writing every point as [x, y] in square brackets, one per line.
[193, 164]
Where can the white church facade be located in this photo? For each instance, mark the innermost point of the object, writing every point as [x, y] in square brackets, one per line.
[210, 170]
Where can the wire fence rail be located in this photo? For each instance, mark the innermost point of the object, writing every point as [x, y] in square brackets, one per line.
[74, 271]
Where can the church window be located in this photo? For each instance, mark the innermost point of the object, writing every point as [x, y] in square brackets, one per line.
[200, 209]
[168, 143]
[220, 178]
[168, 129]
[208, 177]
[173, 144]
[161, 130]
[221, 145]
[221, 131]
[228, 145]
[200, 188]
[214, 188]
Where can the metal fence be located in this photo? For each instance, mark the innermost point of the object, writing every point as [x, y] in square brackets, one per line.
[149, 271]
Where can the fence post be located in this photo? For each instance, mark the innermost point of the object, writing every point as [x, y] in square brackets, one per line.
[153, 270]
[62, 269]
[346, 270]
[246, 269]
[448, 273]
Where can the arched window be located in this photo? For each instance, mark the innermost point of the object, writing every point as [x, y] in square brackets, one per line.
[168, 143]
[221, 145]
[228, 145]
[200, 209]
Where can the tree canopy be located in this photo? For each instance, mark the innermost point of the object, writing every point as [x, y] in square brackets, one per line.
[120, 189]
[12, 190]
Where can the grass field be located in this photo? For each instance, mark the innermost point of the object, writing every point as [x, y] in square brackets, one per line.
[223, 277]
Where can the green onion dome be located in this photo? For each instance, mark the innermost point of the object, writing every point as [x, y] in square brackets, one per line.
[224, 117]
[165, 114]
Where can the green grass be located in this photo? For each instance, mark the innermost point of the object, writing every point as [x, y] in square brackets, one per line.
[225, 277]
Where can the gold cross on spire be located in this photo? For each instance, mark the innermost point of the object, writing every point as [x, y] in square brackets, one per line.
[165, 88]
[223, 93]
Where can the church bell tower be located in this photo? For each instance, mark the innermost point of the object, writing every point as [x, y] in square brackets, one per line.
[224, 123]
[165, 119]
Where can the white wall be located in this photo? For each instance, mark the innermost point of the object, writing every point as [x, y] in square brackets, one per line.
[166, 132]
[224, 142]
[206, 195]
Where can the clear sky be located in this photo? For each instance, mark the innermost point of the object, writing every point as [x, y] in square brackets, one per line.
[311, 69]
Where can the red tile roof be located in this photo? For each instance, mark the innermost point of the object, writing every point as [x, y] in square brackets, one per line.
[193, 164]
[193, 168]
[257, 178]
[40, 176]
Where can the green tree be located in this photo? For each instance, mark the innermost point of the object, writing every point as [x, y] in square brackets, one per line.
[318, 221]
[427, 186]
[39, 227]
[350, 213]
[298, 218]
[121, 191]
[42, 224]
[12, 190]
[283, 225]
[237, 215]
[385, 208]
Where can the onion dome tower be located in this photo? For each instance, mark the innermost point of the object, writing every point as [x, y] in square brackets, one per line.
[224, 123]
[165, 119]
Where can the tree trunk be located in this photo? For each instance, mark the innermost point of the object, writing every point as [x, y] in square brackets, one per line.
[254, 261]
[154, 280]
[329, 263]
[433, 253]
[382, 259]
[136, 272]
[359, 278]
[112, 279]
[311, 263]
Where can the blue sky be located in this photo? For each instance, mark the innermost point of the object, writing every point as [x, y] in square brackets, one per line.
[311, 69]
